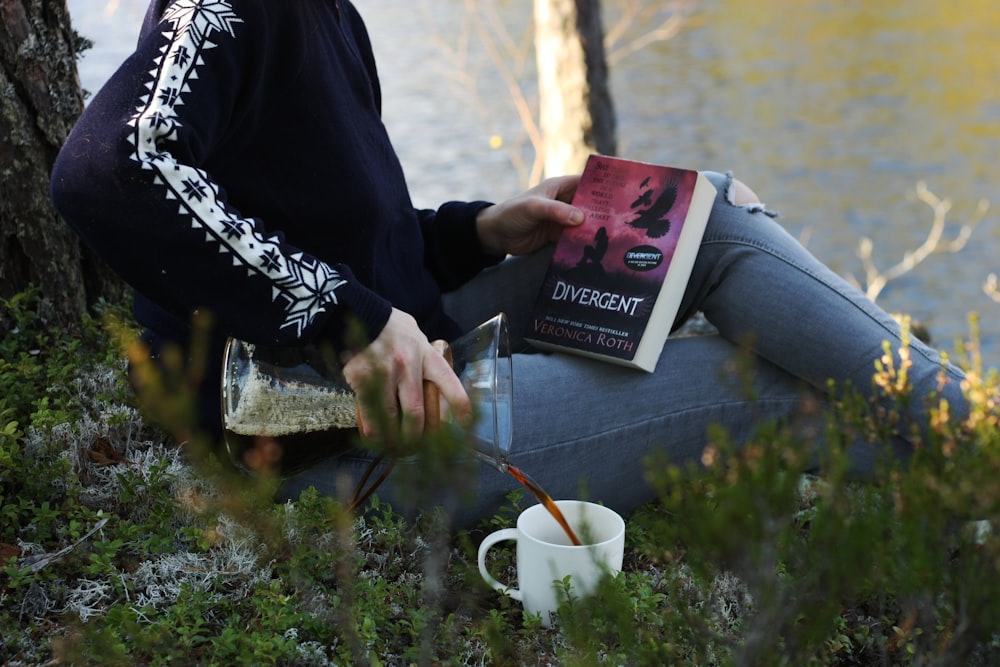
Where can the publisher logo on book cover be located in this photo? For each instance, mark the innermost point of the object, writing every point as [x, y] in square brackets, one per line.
[643, 258]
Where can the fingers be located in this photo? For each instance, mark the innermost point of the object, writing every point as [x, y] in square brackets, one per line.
[552, 201]
[410, 393]
[527, 222]
[561, 188]
[387, 376]
[390, 400]
[415, 402]
[401, 380]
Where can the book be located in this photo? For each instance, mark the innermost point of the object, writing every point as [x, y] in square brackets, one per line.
[615, 282]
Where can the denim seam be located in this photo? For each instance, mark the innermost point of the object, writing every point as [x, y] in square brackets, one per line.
[710, 406]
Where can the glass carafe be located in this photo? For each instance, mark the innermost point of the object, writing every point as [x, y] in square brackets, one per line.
[287, 409]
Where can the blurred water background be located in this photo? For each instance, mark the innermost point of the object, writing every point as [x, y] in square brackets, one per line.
[833, 110]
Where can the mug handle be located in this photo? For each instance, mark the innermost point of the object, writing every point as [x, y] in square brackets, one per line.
[488, 542]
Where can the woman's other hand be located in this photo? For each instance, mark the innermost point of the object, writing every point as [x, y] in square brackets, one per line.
[531, 220]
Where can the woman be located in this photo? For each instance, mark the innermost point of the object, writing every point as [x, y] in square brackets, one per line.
[236, 163]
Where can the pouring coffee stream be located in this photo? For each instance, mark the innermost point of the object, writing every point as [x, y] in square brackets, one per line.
[287, 409]
[545, 499]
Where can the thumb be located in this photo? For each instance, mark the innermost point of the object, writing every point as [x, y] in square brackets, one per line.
[560, 192]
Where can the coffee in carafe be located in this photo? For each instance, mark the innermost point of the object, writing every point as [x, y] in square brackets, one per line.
[285, 409]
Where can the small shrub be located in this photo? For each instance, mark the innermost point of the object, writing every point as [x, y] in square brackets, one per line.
[116, 550]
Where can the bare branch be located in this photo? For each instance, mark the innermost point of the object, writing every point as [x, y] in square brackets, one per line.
[455, 62]
[488, 27]
[876, 279]
[483, 30]
[630, 12]
[665, 31]
[643, 13]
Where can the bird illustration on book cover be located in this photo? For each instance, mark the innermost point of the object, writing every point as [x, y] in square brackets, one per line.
[635, 204]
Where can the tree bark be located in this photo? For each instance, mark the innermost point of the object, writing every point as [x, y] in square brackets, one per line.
[576, 109]
[40, 99]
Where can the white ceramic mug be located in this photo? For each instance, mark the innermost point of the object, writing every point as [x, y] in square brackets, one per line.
[545, 554]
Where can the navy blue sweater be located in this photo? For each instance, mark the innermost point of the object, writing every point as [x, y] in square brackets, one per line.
[237, 163]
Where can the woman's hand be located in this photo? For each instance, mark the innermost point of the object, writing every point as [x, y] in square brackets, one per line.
[388, 376]
[525, 223]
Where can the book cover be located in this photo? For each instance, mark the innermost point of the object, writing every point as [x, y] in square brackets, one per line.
[615, 282]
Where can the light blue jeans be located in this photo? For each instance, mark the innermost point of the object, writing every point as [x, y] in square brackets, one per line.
[584, 427]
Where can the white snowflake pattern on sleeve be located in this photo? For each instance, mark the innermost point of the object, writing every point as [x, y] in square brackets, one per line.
[304, 285]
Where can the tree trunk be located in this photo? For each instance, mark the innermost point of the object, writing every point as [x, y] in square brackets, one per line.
[577, 114]
[40, 99]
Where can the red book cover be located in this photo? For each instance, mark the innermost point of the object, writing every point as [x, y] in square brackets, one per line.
[616, 281]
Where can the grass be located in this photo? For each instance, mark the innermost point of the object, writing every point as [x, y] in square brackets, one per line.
[116, 549]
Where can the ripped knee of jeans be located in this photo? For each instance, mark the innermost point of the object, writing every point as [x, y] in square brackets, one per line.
[725, 183]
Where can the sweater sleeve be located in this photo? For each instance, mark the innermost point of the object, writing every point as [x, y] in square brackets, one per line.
[133, 181]
[452, 251]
